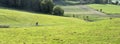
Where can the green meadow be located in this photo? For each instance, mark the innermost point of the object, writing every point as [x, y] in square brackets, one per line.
[107, 8]
[81, 11]
[55, 29]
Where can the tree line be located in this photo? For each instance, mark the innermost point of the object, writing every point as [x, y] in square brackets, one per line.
[44, 6]
[96, 1]
[101, 2]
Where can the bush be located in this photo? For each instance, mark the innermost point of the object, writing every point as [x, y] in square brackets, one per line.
[4, 26]
[58, 11]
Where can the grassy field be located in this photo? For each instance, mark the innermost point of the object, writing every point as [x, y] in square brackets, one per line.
[55, 29]
[73, 9]
[79, 11]
[107, 8]
[72, 2]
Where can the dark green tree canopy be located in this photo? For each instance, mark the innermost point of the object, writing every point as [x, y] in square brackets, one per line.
[45, 6]
[58, 11]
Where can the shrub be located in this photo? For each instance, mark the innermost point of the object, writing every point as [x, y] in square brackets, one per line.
[4, 26]
[58, 11]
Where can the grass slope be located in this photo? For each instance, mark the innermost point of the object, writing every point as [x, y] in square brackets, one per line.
[107, 8]
[55, 29]
[80, 11]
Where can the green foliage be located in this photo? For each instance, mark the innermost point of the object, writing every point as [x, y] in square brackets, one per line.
[100, 1]
[45, 6]
[117, 2]
[58, 11]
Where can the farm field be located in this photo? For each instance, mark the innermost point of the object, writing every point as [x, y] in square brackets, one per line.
[79, 11]
[55, 29]
[107, 8]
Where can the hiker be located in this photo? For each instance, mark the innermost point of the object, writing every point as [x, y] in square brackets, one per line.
[37, 24]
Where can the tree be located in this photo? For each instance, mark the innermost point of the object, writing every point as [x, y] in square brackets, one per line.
[117, 2]
[109, 1]
[101, 1]
[45, 6]
[58, 11]
[50, 6]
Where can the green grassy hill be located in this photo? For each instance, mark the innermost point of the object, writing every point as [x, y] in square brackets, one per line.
[107, 8]
[22, 18]
[55, 29]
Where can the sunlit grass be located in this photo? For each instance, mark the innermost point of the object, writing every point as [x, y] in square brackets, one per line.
[56, 29]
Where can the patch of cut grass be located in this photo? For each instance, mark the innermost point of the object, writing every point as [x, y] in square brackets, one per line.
[107, 8]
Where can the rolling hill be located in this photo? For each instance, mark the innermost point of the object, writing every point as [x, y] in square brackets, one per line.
[55, 29]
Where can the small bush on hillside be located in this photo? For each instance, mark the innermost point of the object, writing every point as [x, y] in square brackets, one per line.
[58, 11]
[4, 26]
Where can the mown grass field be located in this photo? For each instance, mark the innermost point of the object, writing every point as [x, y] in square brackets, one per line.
[107, 8]
[72, 2]
[74, 9]
[79, 11]
[55, 29]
